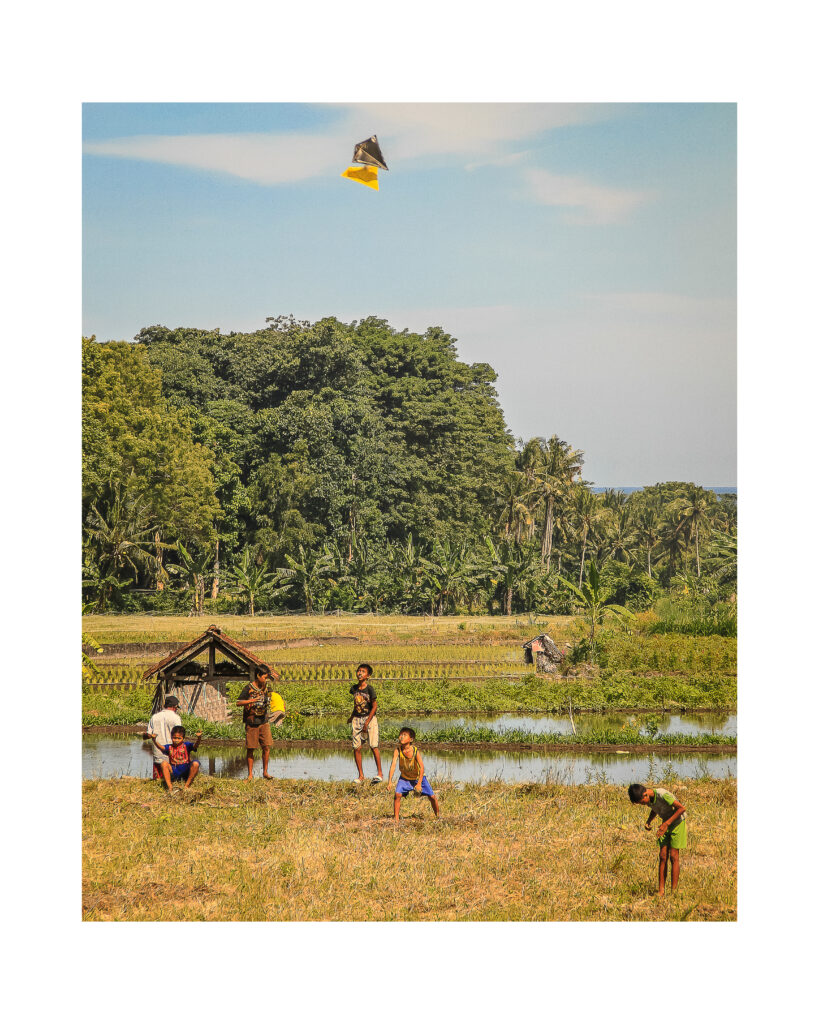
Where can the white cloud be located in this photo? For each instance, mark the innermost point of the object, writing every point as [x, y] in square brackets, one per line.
[408, 132]
[424, 130]
[265, 159]
[589, 203]
[478, 133]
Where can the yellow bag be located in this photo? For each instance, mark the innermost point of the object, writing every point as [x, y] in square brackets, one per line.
[277, 708]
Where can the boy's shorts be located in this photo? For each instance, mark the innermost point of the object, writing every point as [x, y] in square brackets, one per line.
[677, 838]
[258, 736]
[359, 730]
[178, 771]
[405, 786]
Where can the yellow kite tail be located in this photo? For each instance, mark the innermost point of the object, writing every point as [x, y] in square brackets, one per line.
[364, 175]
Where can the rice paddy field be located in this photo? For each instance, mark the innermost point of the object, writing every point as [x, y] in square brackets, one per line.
[291, 849]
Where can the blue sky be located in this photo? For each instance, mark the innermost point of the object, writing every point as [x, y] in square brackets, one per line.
[588, 252]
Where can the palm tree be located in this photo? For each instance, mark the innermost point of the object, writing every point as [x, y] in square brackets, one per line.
[647, 529]
[555, 464]
[305, 573]
[673, 537]
[696, 509]
[253, 578]
[589, 515]
[722, 558]
[193, 569]
[405, 567]
[619, 537]
[363, 568]
[512, 567]
[614, 499]
[448, 571]
[119, 539]
[597, 599]
[513, 497]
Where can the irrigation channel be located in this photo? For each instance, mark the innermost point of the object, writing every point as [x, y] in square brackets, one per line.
[111, 756]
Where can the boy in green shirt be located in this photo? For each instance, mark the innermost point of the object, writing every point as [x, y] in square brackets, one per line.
[672, 835]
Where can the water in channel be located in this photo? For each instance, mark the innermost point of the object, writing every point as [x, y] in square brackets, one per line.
[690, 724]
[108, 756]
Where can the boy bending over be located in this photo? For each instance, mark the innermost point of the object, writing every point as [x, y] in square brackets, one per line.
[672, 835]
[410, 771]
[180, 764]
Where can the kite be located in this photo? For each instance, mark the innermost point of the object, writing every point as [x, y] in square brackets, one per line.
[369, 154]
[366, 175]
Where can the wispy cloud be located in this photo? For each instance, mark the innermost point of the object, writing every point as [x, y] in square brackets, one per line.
[473, 130]
[265, 159]
[409, 132]
[587, 202]
[478, 134]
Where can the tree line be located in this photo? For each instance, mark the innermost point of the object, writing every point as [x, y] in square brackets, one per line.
[329, 466]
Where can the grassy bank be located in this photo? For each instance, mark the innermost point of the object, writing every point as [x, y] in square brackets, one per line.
[609, 692]
[293, 851]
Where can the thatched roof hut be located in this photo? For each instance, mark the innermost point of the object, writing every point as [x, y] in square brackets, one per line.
[542, 652]
[201, 687]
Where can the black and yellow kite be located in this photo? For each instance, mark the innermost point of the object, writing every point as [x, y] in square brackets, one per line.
[367, 153]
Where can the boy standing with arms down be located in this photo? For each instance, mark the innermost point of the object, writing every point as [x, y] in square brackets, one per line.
[255, 703]
[672, 835]
[364, 722]
[410, 771]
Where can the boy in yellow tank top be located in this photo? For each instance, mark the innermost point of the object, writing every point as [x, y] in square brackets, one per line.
[410, 771]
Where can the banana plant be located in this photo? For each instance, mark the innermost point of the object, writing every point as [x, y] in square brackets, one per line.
[193, 569]
[253, 580]
[596, 599]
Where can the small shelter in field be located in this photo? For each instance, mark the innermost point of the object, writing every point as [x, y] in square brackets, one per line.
[543, 653]
[200, 684]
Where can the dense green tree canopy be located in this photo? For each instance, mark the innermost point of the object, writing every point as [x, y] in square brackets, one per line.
[354, 466]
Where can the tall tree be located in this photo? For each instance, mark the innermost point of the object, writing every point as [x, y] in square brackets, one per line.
[647, 529]
[696, 509]
[589, 515]
[554, 465]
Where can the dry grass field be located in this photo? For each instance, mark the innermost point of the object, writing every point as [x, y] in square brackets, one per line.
[365, 628]
[298, 851]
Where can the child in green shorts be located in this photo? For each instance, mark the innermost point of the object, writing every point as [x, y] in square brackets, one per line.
[672, 834]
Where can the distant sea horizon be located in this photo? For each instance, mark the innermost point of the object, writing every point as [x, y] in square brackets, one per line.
[631, 490]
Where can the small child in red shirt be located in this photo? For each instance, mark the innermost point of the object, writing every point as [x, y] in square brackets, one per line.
[180, 764]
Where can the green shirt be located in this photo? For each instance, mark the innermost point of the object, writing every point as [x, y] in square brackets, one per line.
[662, 804]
